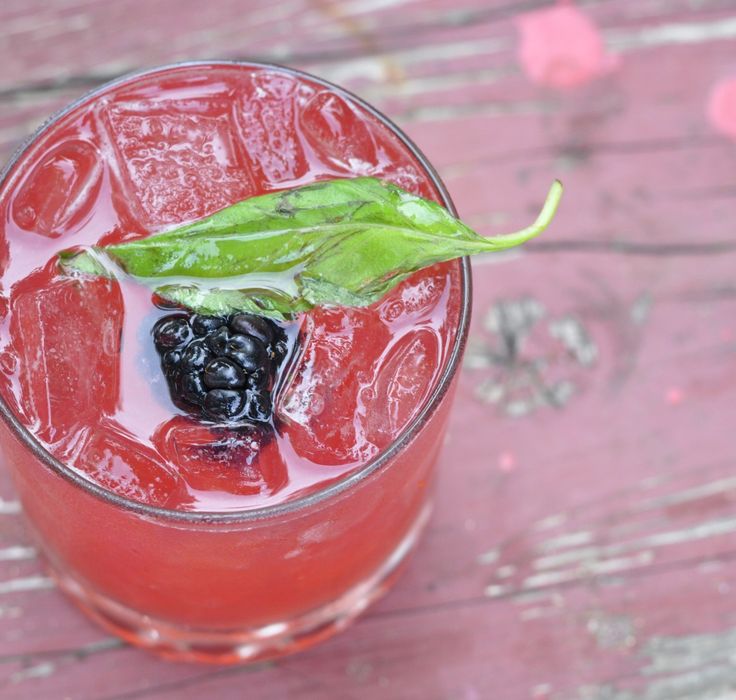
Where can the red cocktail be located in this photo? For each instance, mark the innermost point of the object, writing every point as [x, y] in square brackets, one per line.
[191, 538]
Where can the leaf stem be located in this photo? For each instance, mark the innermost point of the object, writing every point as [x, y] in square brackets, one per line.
[510, 240]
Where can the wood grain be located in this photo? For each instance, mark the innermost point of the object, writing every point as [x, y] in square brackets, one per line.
[586, 549]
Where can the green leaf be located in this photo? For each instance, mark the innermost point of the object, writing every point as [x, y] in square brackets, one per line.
[341, 242]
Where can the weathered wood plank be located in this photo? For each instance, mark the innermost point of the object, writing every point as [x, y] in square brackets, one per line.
[483, 81]
[603, 640]
[586, 549]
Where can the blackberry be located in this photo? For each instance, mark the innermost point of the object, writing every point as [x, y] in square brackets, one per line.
[202, 325]
[217, 339]
[221, 368]
[172, 332]
[222, 404]
[223, 373]
[256, 326]
[248, 352]
[196, 355]
[191, 388]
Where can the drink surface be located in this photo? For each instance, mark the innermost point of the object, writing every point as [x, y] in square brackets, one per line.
[77, 362]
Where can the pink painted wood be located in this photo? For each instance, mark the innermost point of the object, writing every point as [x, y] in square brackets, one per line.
[586, 549]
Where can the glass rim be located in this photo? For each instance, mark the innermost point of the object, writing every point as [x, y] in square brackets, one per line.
[410, 431]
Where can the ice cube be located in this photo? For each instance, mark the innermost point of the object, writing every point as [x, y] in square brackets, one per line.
[337, 133]
[180, 158]
[242, 460]
[56, 196]
[114, 459]
[267, 118]
[401, 384]
[67, 336]
[320, 402]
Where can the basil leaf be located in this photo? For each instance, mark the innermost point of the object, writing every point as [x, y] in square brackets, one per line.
[341, 242]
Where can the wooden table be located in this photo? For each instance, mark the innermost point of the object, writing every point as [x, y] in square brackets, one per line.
[584, 541]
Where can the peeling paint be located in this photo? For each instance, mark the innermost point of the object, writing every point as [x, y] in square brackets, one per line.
[641, 309]
[575, 338]
[611, 631]
[692, 667]
[523, 355]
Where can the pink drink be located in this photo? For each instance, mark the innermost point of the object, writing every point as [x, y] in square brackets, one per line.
[180, 535]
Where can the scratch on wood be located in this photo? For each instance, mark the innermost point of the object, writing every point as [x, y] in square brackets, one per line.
[496, 591]
[42, 670]
[586, 569]
[689, 495]
[45, 664]
[451, 50]
[681, 33]
[538, 613]
[356, 7]
[29, 583]
[17, 553]
[609, 544]
[593, 556]
[437, 83]
[538, 596]
[441, 113]
[538, 604]
[572, 539]
[9, 507]
[551, 522]
[357, 69]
